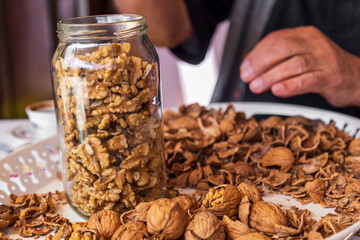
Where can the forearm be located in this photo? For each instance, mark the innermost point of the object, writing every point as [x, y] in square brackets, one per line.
[168, 20]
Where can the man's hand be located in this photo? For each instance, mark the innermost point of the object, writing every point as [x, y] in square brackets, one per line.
[303, 60]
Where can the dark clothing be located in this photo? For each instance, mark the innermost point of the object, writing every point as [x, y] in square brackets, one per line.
[338, 19]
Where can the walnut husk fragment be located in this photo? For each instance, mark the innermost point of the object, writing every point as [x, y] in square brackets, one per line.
[33, 214]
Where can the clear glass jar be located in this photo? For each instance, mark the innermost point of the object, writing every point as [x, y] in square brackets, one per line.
[108, 103]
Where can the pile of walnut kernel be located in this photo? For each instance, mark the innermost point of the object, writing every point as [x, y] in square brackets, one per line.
[114, 153]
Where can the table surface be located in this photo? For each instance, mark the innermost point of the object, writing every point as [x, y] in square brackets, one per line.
[8, 141]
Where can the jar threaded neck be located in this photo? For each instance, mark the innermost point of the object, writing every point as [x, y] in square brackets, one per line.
[102, 26]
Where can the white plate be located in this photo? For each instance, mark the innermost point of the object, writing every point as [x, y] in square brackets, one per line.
[253, 108]
[26, 132]
[34, 168]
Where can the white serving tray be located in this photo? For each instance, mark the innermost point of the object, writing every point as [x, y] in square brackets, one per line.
[34, 168]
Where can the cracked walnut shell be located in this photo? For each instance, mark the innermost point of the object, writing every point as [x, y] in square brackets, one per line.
[250, 190]
[265, 215]
[106, 222]
[205, 225]
[222, 200]
[279, 156]
[131, 231]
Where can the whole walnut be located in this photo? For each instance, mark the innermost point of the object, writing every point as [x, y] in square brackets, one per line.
[166, 219]
[265, 215]
[205, 225]
[106, 222]
[222, 200]
[131, 231]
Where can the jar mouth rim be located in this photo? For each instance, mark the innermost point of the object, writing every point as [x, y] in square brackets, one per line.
[98, 20]
[101, 26]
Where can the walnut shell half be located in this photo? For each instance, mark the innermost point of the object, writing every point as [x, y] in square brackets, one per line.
[130, 231]
[250, 190]
[205, 225]
[279, 156]
[264, 216]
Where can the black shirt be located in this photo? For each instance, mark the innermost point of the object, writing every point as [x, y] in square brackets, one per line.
[338, 19]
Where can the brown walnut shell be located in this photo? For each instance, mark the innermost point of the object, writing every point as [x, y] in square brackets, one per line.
[249, 189]
[226, 204]
[279, 156]
[167, 219]
[106, 222]
[205, 225]
[131, 231]
[264, 216]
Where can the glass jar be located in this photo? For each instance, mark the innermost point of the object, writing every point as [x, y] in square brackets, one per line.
[108, 103]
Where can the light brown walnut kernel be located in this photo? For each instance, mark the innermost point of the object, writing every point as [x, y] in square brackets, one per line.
[117, 143]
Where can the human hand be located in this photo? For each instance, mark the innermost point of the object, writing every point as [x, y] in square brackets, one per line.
[303, 60]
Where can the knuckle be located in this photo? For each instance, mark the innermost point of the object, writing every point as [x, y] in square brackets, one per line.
[289, 45]
[273, 36]
[301, 63]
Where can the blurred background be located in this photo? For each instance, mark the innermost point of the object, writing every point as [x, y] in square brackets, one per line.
[28, 40]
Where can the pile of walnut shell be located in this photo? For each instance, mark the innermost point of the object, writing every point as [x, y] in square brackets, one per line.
[226, 212]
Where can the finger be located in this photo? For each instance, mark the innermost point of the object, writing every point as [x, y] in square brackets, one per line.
[290, 68]
[270, 51]
[305, 83]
